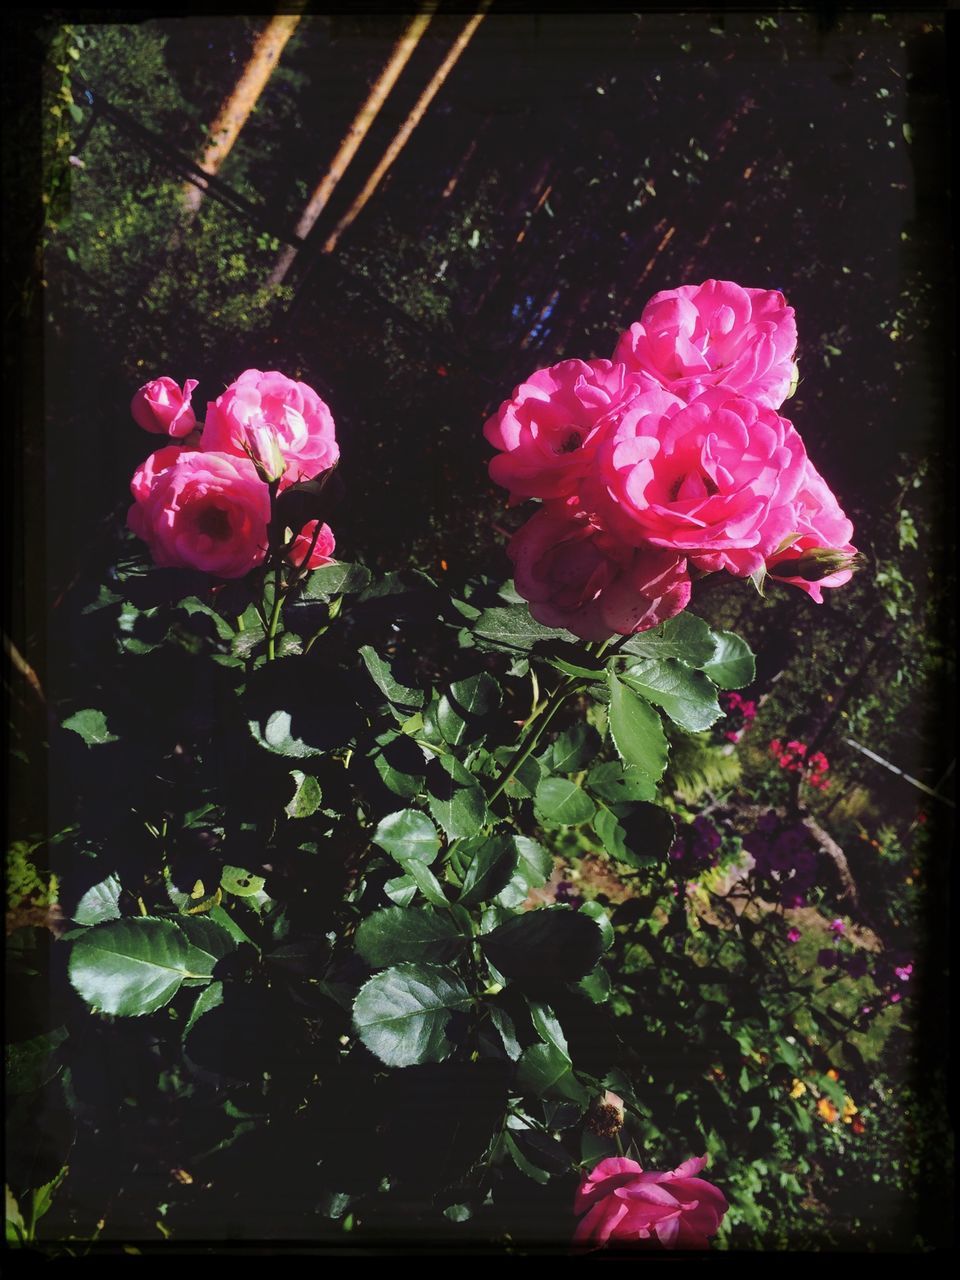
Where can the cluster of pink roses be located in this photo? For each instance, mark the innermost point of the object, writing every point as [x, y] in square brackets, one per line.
[670, 457]
[204, 500]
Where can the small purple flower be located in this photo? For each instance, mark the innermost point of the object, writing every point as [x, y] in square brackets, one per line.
[564, 893]
[794, 935]
[828, 958]
[857, 965]
[838, 927]
[903, 972]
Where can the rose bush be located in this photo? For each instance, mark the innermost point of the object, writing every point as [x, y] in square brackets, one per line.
[261, 405]
[162, 407]
[622, 1204]
[715, 334]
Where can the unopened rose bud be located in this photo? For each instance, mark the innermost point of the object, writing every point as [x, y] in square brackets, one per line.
[816, 564]
[262, 447]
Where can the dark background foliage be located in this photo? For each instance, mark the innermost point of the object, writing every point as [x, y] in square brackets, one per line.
[570, 167]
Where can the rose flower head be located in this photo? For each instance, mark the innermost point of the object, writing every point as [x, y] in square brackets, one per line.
[264, 412]
[548, 431]
[576, 576]
[622, 1204]
[161, 407]
[715, 334]
[200, 510]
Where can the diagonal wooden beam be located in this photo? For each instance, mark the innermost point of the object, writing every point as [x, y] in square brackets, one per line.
[406, 129]
[354, 136]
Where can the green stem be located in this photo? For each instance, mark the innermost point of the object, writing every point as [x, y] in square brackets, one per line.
[528, 744]
[274, 616]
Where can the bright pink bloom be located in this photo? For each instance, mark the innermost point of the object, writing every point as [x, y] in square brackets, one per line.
[160, 406]
[715, 334]
[203, 511]
[622, 1203]
[794, 935]
[822, 555]
[576, 576]
[548, 431]
[838, 927]
[259, 405]
[322, 552]
[903, 972]
[713, 481]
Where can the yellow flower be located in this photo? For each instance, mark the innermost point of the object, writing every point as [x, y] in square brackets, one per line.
[798, 1090]
[827, 1110]
[849, 1110]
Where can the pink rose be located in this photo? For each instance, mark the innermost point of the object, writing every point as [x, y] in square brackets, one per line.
[675, 1210]
[549, 430]
[322, 550]
[715, 334]
[576, 576]
[712, 480]
[196, 510]
[259, 406]
[822, 555]
[161, 406]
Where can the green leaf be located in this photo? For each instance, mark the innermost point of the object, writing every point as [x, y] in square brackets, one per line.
[489, 863]
[241, 882]
[733, 665]
[513, 628]
[408, 835]
[543, 1069]
[641, 838]
[596, 912]
[596, 985]
[686, 637]
[401, 889]
[560, 802]
[427, 882]
[399, 695]
[547, 1027]
[687, 696]
[524, 782]
[464, 704]
[398, 934]
[551, 943]
[573, 750]
[507, 1032]
[335, 580]
[636, 730]
[455, 798]
[192, 605]
[211, 942]
[275, 734]
[616, 785]
[100, 902]
[534, 867]
[400, 764]
[91, 726]
[132, 967]
[523, 1164]
[210, 998]
[307, 796]
[402, 1014]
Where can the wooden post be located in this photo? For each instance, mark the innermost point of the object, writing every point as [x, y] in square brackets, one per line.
[235, 111]
[407, 128]
[354, 136]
